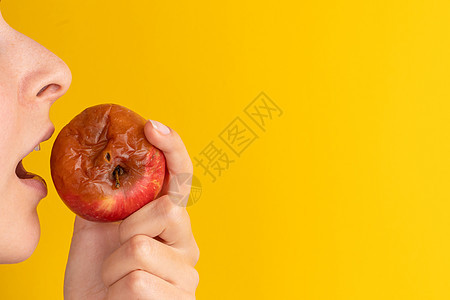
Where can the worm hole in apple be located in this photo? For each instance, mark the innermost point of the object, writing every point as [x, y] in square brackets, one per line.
[118, 171]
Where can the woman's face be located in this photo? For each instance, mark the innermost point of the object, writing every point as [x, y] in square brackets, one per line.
[31, 80]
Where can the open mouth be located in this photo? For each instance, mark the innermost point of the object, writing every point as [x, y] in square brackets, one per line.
[22, 173]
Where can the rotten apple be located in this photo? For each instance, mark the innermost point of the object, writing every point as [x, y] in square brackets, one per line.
[102, 165]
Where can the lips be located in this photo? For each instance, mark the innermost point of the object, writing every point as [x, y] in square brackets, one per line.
[24, 174]
[20, 170]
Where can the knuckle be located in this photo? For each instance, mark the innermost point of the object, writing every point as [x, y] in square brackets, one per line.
[171, 213]
[137, 282]
[175, 215]
[139, 246]
[169, 210]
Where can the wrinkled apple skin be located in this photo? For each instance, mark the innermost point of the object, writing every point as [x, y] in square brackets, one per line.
[89, 149]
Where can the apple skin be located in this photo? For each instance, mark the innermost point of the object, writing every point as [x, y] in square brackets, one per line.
[102, 165]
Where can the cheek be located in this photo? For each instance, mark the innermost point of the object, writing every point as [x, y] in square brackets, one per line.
[9, 120]
[10, 145]
[19, 223]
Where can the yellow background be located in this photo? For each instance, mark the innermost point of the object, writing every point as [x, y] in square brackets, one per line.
[345, 196]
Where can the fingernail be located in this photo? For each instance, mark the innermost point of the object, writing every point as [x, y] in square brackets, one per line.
[163, 129]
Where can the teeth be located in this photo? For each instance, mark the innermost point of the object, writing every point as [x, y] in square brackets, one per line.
[38, 147]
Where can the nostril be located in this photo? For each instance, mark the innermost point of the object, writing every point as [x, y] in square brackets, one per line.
[42, 90]
[50, 88]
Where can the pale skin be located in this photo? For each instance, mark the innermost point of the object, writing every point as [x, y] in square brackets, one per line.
[149, 255]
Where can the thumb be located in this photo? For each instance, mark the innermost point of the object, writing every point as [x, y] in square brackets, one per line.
[177, 185]
[170, 143]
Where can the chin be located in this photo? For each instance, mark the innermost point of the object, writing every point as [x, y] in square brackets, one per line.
[18, 244]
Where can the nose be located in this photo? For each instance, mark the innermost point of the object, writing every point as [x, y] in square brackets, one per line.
[44, 76]
[41, 76]
[45, 82]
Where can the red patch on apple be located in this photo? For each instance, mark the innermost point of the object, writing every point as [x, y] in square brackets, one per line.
[102, 165]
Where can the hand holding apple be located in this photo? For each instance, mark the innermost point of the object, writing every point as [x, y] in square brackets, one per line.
[149, 255]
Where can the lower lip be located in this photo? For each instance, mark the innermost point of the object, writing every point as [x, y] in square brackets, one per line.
[37, 185]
